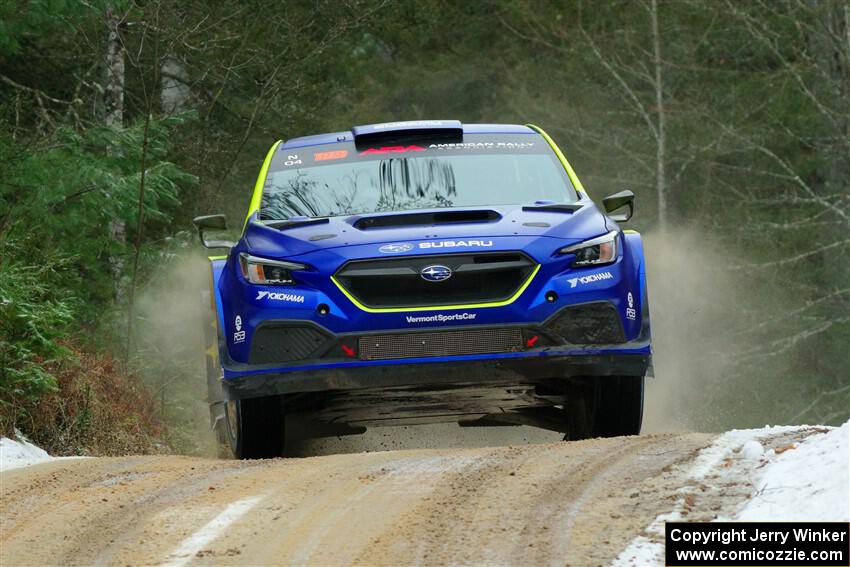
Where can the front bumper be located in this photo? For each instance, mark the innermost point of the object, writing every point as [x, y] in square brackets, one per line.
[527, 368]
[338, 362]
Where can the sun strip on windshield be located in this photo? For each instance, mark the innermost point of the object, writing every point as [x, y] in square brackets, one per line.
[572, 174]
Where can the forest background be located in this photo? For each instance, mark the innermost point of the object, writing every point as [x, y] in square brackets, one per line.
[120, 121]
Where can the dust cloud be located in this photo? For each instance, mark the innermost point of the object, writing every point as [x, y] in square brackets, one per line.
[695, 305]
[169, 348]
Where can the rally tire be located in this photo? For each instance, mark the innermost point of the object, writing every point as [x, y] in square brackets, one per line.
[619, 406]
[255, 427]
[611, 406]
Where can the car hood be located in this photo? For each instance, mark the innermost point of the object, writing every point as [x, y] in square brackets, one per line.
[513, 222]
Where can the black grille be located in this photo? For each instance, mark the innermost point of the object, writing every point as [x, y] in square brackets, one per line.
[284, 343]
[442, 343]
[396, 282]
[589, 324]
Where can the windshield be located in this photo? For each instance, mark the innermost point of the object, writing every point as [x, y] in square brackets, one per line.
[339, 179]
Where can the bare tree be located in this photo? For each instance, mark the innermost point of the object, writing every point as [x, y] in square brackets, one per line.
[661, 119]
[113, 87]
[637, 83]
[113, 107]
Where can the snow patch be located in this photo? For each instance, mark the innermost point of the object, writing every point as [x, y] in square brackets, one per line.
[20, 452]
[805, 482]
[752, 450]
[190, 546]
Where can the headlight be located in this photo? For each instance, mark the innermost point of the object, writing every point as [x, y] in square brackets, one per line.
[599, 250]
[263, 271]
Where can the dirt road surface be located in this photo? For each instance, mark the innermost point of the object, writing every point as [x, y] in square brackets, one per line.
[576, 503]
[564, 504]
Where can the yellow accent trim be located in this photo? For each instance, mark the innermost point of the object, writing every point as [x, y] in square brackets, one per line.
[212, 348]
[628, 231]
[439, 307]
[216, 257]
[261, 180]
[570, 172]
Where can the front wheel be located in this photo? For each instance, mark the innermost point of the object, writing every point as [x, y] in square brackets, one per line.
[255, 427]
[610, 406]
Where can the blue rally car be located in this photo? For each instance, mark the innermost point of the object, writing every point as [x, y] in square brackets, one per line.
[425, 271]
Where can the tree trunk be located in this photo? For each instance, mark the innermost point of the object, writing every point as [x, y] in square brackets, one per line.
[113, 105]
[661, 145]
[113, 92]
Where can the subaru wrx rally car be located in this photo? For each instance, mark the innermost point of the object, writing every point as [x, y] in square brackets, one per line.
[425, 271]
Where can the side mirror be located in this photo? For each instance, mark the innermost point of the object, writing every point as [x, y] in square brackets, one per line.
[212, 222]
[618, 201]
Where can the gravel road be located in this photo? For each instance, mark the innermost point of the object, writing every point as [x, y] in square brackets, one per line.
[576, 503]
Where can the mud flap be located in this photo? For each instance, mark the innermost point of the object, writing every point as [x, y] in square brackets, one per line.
[215, 396]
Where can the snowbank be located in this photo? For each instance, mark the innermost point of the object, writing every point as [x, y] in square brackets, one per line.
[19, 453]
[806, 481]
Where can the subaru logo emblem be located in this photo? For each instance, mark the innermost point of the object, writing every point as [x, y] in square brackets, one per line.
[435, 273]
[395, 248]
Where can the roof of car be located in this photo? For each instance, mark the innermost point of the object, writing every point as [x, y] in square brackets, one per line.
[348, 136]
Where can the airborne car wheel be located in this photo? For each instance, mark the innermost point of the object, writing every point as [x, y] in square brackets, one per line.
[255, 427]
[611, 407]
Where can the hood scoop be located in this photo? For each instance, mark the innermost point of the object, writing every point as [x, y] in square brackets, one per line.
[295, 222]
[426, 219]
[548, 207]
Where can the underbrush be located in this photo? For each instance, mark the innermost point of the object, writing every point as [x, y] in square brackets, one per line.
[96, 409]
